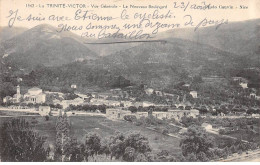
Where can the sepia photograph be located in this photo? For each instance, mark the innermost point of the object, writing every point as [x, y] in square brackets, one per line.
[129, 81]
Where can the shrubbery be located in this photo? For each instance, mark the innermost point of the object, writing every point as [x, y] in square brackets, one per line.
[130, 118]
[19, 143]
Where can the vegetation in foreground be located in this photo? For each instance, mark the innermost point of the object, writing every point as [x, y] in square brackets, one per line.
[21, 143]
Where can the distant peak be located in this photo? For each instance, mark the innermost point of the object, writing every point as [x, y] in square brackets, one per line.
[44, 27]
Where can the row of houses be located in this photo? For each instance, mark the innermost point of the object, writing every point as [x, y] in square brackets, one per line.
[150, 91]
[171, 114]
[33, 95]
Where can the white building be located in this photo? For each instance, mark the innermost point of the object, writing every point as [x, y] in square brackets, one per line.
[141, 114]
[252, 95]
[44, 110]
[74, 86]
[18, 93]
[243, 85]
[112, 113]
[8, 99]
[112, 103]
[194, 94]
[149, 91]
[35, 95]
[161, 115]
[143, 104]
[67, 103]
[16, 98]
[127, 103]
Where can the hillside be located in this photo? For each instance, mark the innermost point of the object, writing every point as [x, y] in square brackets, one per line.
[158, 64]
[43, 45]
[7, 33]
[241, 38]
[161, 64]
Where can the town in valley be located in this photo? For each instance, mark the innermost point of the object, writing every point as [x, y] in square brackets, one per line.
[180, 100]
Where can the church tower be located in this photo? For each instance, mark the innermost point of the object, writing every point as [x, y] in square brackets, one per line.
[18, 93]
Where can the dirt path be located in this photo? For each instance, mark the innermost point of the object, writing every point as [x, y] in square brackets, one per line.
[252, 156]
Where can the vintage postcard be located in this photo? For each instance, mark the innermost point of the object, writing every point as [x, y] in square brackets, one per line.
[129, 81]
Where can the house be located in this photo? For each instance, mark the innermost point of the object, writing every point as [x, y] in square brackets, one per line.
[19, 79]
[76, 101]
[141, 114]
[44, 110]
[159, 93]
[243, 85]
[73, 86]
[56, 101]
[16, 98]
[123, 113]
[7, 99]
[186, 85]
[149, 91]
[147, 104]
[252, 95]
[143, 104]
[127, 103]
[178, 114]
[161, 115]
[256, 115]
[112, 113]
[194, 94]
[194, 113]
[207, 126]
[112, 103]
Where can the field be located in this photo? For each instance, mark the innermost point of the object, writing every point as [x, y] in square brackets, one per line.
[81, 125]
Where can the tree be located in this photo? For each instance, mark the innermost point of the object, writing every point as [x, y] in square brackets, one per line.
[73, 151]
[165, 132]
[133, 109]
[202, 157]
[191, 158]
[188, 121]
[138, 142]
[130, 148]
[62, 137]
[130, 118]
[250, 111]
[47, 118]
[196, 141]
[92, 143]
[104, 149]
[21, 144]
[117, 145]
[129, 154]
